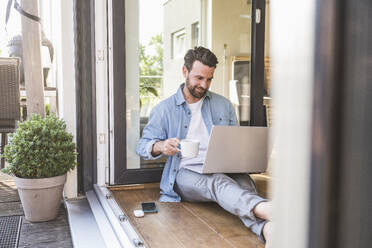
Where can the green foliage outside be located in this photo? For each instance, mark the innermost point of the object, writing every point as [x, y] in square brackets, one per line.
[40, 148]
[47, 109]
[151, 68]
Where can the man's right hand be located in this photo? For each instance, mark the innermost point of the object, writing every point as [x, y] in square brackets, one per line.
[167, 147]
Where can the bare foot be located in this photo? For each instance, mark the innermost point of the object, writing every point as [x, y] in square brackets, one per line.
[267, 233]
[263, 210]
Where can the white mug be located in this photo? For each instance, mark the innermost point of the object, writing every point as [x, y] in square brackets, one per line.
[189, 148]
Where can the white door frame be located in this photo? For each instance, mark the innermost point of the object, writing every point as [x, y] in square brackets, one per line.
[102, 86]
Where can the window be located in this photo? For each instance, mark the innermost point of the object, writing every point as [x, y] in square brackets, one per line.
[195, 34]
[178, 44]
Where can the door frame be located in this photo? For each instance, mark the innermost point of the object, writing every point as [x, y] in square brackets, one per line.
[85, 79]
[119, 174]
[257, 63]
[117, 82]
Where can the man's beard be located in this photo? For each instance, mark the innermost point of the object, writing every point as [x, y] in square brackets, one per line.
[197, 92]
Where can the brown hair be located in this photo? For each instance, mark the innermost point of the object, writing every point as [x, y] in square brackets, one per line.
[201, 54]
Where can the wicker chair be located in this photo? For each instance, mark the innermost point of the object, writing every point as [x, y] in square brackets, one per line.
[9, 99]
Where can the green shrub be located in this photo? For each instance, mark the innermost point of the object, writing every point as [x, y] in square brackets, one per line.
[40, 148]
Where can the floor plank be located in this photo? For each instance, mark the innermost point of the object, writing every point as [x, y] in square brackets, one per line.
[172, 226]
[246, 241]
[187, 224]
[220, 220]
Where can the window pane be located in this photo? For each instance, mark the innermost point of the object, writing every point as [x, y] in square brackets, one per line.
[178, 44]
[195, 35]
[157, 37]
[158, 34]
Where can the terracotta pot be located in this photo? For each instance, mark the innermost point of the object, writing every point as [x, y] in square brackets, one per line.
[41, 198]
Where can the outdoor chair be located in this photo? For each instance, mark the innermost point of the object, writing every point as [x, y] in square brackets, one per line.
[9, 99]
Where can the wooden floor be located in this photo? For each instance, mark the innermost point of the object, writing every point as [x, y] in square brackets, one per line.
[187, 224]
[54, 233]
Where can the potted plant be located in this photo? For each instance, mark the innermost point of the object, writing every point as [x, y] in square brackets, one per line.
[39, 155]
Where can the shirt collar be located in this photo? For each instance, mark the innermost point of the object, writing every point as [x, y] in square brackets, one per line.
[180, 99]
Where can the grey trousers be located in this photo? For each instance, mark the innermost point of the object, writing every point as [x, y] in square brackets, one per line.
[236, 193]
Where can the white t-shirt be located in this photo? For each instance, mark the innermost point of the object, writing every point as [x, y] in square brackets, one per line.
[197, 131]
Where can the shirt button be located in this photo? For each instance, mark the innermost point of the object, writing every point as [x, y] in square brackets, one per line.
[185, 126]
[188, 113]
[171, 184]
[174, 170]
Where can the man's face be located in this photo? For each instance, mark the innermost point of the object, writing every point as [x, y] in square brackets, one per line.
[199, 79]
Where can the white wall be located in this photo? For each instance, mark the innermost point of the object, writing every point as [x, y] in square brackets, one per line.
[178, 14]
[64, 54]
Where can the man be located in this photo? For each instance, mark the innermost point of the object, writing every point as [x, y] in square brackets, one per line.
[190, 113]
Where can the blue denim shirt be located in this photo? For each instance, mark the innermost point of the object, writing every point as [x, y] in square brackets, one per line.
[171, 119]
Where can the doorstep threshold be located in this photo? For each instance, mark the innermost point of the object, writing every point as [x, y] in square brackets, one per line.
[100, 217]
[83, 225]
[119, 221]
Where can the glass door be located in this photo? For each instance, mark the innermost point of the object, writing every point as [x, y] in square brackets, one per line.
[157, 37]
[147, 42]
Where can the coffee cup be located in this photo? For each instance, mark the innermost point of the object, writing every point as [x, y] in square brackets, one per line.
[189, 148]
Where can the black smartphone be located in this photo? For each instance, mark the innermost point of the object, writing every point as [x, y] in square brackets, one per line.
[149, 207]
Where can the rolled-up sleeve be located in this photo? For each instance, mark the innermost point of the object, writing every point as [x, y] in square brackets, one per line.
[154, 131]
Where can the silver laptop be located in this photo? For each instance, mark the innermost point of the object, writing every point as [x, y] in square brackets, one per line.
[235, 149]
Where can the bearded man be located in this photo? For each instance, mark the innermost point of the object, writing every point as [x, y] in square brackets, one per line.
[190, 114]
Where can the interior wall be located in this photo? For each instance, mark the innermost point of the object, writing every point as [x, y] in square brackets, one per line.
[231, 26]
